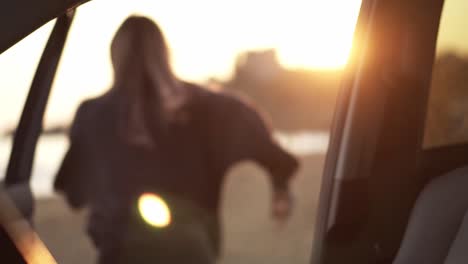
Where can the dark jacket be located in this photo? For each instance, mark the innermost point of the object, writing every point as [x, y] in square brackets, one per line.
[212, 132]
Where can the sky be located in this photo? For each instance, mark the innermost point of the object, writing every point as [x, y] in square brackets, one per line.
[453, 27]
[205, 38]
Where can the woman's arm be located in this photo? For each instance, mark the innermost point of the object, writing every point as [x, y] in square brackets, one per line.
[250, 138]
[247, 136]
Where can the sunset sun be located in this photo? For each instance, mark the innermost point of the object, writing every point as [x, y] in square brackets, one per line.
[319, 34]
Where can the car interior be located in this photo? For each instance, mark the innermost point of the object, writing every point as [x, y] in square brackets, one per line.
[394, 198]
[391, 191]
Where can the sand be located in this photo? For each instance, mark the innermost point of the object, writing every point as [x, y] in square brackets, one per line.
[251, 237]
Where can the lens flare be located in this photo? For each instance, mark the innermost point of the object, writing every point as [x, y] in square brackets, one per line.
[154, 210]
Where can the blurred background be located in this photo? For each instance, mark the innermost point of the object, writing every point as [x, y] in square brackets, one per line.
[286, 56]
[447, 112]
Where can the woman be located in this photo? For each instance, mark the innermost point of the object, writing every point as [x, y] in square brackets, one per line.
[154, 133]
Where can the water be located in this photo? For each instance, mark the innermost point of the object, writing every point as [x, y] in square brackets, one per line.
[49, 153]
[51, 149]
[304, 143]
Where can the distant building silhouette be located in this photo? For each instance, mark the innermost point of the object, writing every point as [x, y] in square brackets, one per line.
[294, 99]
[259, 65]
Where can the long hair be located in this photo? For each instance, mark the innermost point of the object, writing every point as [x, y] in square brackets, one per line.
[149, 91]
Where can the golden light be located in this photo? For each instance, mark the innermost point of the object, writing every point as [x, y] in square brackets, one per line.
[318, 34]
[313, 34]
[154, 210]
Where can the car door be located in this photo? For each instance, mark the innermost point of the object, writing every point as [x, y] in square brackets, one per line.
[17, 238]
[371, 175]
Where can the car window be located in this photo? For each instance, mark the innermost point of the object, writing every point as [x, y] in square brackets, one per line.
[447, 117]
[284, 57]
[17, 67]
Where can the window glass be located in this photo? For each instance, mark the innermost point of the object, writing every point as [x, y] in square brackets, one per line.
[447, 117]
[284, 57]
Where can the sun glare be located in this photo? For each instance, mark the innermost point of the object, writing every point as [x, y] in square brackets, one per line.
[154, 210]
[318, 34]
[313, 34]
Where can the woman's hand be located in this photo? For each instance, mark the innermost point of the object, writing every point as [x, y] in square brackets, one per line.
[282, 205]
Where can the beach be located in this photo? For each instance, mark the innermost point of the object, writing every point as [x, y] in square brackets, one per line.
[251, 237]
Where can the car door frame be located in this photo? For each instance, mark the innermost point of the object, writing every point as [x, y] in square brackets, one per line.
[376, 138]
